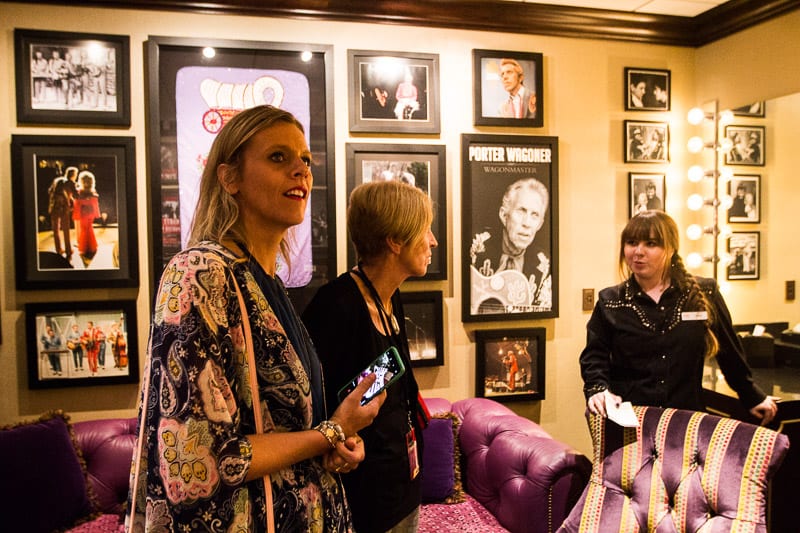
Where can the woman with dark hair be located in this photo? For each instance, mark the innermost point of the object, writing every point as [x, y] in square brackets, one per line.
[648, 337]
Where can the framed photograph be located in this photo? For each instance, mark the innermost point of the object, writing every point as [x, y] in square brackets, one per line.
[71, 344]
[746, 193]
[393, 92]
[508, 88]
[424, 327]
[745, 250]
[646, 191]
[647, 89]
[74, 211]
[72, 78]
[646, 141]
[195, 86]
[756, 109]
[747, 145]
[510, 217]
[509, 364]
[421, 165]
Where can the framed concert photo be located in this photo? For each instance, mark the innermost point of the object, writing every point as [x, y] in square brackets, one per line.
[745, 190]
[74, 212]
[508, 88]
[424, 327]
[421, 165]
[744, 248]
[647, 89]
[72, 78]
[393, 92]
[76, 344]
[510, 220]
[646, 191]
[509, 364]
[747, 145]
[646, 141]
[195, 87]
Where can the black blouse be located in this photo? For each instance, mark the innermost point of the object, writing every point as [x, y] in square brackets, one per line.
[653, 353]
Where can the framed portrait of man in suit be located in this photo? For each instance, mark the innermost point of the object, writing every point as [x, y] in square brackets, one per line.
[508, 88]
[510, 227]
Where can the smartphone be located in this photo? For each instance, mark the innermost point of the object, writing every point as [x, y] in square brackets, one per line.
[388, 367]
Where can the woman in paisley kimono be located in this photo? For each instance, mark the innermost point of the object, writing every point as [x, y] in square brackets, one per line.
[234, 434]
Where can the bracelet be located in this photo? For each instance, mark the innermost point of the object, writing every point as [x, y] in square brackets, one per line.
[594, 389]
[332, 432]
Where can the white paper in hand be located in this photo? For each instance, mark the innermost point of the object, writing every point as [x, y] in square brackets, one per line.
[621, 413]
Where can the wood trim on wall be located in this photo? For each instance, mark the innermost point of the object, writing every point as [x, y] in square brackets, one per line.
[492, 15]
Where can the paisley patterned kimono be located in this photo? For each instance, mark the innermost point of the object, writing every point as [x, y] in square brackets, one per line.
[192, 457]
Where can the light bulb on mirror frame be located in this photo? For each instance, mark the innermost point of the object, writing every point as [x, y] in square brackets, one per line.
[695, 202]
[726, 174]
[694, 260]
[695, 144]
[725, 288]
[725, 201]
[725, 117]
[725, 232]
[695, 116]
[694, 232]
[726, 145]
[725, 259]
[695, 173]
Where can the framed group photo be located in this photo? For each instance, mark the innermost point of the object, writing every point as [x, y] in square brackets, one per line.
[746, 193]
[510, 218]
[647, 192]
[646, 141]
[72, 78]
[196, 86]
[744, 248]
[74, 211]
[81, 343]
[647, 89]
[747, 145]
[508, 88]
[509, 364]
[424, 327]
[393, 92]
[416, 164]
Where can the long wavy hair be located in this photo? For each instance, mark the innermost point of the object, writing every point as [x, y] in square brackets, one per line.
[658, 226]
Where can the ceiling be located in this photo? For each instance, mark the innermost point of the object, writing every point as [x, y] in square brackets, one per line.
[679, 8]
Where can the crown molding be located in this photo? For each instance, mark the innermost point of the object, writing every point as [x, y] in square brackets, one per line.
[492, 15]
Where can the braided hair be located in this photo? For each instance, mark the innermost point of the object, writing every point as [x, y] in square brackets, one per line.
[658, 226]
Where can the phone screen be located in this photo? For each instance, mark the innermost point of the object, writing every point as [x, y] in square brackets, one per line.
[388, 367]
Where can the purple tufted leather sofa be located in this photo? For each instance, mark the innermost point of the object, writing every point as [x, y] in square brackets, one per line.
[513, 468]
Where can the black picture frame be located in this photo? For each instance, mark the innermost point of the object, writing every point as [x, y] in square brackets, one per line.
[748, 144]
[113, 260]
[493, 364]
[376, 81]
[647, 89]
[746, 208]
[640, 187]
[646, 141]
[745, 250]
[63, 366]
[755, 109]
[69, 90]
[492, 105]
[491, 165]
[424, 327]
[300, 75]
[425, 167]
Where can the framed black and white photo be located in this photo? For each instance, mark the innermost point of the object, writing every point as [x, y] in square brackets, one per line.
[756, 109]
[74, 211]
[509, 364]
[424, 327]
[508, 88]
[76, 344]
[195, 86]
[646, 141]
[647, 89]
[420, 165]
[510, 220]
[744, 248]
[393, 92]
[747, 145]
[647, 191]
[745, 190]
[72, 78]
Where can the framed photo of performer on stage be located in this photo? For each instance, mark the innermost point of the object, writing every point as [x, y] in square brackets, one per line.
[509, 227]
[509, 364]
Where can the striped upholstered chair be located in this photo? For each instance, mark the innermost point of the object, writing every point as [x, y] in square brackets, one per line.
[678, 471]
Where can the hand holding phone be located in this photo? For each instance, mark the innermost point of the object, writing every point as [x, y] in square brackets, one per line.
[387, 367]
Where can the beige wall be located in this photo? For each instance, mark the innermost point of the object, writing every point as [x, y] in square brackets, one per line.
[583, 99]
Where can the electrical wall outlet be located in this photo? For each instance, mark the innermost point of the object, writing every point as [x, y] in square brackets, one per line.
[790, 290]
[588, 299]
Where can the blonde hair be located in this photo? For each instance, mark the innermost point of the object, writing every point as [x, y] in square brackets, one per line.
[386, 209]
[217, 214]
